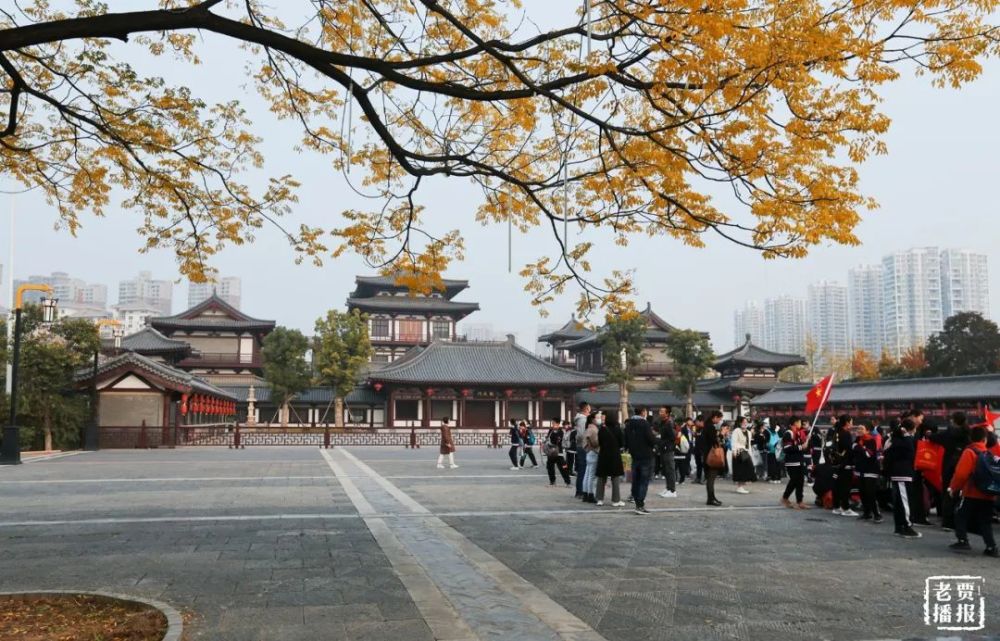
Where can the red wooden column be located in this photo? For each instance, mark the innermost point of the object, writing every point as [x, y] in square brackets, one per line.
[390, 411]
[425, 420]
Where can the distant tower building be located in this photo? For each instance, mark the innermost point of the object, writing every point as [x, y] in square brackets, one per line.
[785, 325]
[143, 290]
[749, 320]
[864, 292]
[828, 319]
[911, 294]
[964, 283]
[228, 289]
[76, 298]
[399, 320]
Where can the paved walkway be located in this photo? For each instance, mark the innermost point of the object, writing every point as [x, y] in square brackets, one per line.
[376, 543]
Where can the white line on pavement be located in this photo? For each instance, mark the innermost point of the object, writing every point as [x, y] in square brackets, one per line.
[181, 518]
[164, 479]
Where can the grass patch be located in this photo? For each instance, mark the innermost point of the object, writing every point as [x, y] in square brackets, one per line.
[78, 617]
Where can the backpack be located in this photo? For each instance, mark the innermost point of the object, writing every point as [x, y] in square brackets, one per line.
[986, 475]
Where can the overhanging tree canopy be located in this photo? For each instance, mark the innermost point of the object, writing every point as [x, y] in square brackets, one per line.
[621, 120]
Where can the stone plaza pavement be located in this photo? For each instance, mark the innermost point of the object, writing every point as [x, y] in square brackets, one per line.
[377, 543]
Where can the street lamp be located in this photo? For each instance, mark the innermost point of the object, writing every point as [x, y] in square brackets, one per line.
[10, 451]
[118, 333]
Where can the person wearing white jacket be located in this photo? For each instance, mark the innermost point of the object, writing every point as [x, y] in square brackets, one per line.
[743, 472]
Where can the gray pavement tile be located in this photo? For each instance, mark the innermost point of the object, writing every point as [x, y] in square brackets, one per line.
[411, 630]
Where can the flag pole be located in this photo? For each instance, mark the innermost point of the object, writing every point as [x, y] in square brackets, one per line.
[826, 395]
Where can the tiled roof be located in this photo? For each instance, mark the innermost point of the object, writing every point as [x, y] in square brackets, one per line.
[750, 354]
[657, 332]
[480, 363]
[150, 341]
[390, 281]
[607, 397]
[361, 395]
[572, 330]
[132, 360]
[412, 303]
[231, 318]
[985, 387]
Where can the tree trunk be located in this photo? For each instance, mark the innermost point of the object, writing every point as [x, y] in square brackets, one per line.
[338, 409]
[689, 405]
[283, 414]
[622, 402]
[47, 427]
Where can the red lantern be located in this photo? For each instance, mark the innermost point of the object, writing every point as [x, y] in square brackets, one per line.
[592, 388]
[543, 393]
[195, 404]
[184, 404]
[378, 387]
[466, 392]
[508, 393]
[430, 391]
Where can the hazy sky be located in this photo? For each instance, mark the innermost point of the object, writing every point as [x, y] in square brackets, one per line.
[937, 186]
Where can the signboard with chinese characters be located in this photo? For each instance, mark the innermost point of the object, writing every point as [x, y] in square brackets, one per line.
[955, 603]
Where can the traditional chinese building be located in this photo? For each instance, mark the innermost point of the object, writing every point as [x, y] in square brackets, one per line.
[399, 320]
[225, 343]
[881, 400]
[588, 352]
[144, 402]
[151, 343]
[572, 331]
[747, 371]
[476, 384]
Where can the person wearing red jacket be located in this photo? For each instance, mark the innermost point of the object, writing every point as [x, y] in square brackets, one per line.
[975, 506]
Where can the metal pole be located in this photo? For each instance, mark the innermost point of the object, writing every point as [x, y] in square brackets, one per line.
[90, 441]
[10, 291]
[10, 453]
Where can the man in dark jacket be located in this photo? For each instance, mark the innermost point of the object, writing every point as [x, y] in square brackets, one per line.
[667, 434]
[954, 440]
[641, 445]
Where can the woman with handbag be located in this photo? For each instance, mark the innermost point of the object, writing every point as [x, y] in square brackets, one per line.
[715, 456]
[743, 472]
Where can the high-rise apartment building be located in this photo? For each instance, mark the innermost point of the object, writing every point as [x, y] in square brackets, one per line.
[828, 325]
[867, 313]
[749, 320]
[76, 297]
[228, 289]
[143, 290]
[785, 325]
[912, 300]
[964, 283]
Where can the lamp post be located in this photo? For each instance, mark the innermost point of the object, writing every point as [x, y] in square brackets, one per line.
[10, 452]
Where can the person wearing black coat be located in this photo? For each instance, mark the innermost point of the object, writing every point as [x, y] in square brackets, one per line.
[897, 459]
[515, 445]
[865, 458]
[954, 440]
[842, 444]
[641, 444]
[667, 439]
[795, 467]
[698, 445]
[609, 461]
[711, 438]
[553, 450]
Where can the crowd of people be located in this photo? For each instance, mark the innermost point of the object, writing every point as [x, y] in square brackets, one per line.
[855, 469]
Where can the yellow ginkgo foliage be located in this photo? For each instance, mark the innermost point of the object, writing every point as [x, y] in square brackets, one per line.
[619, 120]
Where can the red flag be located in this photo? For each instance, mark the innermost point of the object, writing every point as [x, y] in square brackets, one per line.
[817, 396]
[930, 460]
[991, 418]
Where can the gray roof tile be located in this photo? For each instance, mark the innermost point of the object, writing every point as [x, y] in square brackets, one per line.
[984, 388]
[480, 363]
[750, 354]
[138, 361]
